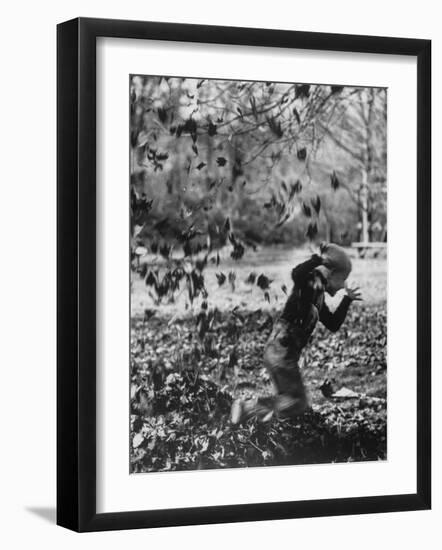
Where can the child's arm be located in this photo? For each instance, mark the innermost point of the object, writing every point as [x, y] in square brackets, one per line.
[333, 320]
[302, 271]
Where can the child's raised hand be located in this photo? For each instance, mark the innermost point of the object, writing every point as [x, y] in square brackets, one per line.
[353, 293]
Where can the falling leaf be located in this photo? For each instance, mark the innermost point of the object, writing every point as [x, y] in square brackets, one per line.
[232, 279]
[221, 278]
[334, 181]
[316, 203]
[221, 161]
[312, 230]
[302, 153]
[302, 91]
[165, 250]
[336, 89]
[211, 130]
[306, 209]
[162, 114]
[296, 187]
[251, 278]
[187, 248]
[263, 282]
[275, 127]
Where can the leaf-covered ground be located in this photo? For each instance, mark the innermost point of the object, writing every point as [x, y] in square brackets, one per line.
[183, 386]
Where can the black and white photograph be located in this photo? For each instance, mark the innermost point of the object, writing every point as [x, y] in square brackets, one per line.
[258, 261]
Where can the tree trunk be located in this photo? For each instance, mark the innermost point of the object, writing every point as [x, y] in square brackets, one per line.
[364, 207]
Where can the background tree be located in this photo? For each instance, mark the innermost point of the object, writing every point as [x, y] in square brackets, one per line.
[235, 163]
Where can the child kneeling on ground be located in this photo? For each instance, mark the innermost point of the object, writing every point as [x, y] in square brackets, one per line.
[324, 272]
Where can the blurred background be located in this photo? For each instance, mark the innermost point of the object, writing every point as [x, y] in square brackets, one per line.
[233, 177]
[263, 154]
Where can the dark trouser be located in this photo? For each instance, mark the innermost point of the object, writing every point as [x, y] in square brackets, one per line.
[282, 363]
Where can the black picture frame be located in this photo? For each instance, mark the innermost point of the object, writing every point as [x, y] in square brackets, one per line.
[76, 274]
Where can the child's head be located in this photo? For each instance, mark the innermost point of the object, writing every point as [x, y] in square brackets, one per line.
[335, 266]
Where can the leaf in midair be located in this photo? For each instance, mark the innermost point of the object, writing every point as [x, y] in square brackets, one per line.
[275, 127]
[297, 187]
[162, 114]
[238, 251]
[253, 106]
[263, 282]
[162, 156]
[298, 118]
[211, 130]
[151, 279]
[271, 203]
[302, 153]
[227, 225]
[307, 210]
[302, 90]
[190, 127]
[201, 165]
[165, 250]
[195, 149]
[334, 181]
[251, 278]
[232, 279]
[312, 230]
[187, 248]
[221, 278]
[284, 219]
[284, 289]
[267, 297]
[336, 89]
[316, 203]
[221, 161]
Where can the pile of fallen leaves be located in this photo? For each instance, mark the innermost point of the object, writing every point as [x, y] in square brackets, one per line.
[183, 386]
